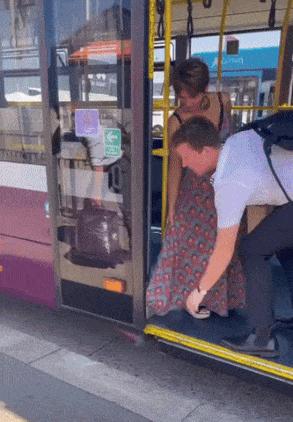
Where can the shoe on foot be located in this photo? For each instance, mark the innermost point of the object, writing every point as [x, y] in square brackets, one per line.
[202, 313]
[252, 346]
[283, 322]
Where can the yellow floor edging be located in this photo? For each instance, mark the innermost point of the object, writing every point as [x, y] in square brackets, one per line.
[219, 351]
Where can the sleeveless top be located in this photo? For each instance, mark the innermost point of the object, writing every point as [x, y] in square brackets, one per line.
[221, 117]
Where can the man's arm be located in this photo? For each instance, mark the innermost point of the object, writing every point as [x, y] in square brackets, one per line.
[221, 257]
[218, 262]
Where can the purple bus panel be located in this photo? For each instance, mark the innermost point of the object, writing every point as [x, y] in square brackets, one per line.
[26, 259]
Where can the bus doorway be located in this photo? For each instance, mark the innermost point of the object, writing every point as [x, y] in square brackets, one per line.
[258, 94]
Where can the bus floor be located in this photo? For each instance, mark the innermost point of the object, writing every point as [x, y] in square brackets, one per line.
[215, 328]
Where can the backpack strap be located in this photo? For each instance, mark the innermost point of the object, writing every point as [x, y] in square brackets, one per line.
[263, 128]
[267, 146]
[221, 117]
[177, 115]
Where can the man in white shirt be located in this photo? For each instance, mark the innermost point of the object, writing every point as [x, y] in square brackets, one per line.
[242, 177]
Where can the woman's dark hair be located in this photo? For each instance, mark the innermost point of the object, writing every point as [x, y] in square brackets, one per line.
[191, 75]
[198, 132]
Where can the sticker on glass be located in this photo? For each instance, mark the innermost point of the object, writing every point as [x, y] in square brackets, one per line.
[112, 142]
[87, 122]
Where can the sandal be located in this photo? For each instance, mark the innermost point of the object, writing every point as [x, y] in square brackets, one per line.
[203, 313]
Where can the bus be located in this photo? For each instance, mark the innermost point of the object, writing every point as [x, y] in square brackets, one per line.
[83, 209]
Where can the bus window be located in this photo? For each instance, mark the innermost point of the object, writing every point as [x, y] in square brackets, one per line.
[25, 226]
[21, 138]
[248, 75]
[158, 89]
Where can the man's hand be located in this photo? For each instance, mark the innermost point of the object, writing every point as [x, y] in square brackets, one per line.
[193, 301]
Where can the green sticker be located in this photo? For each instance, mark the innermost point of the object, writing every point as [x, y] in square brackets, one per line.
[112, 142]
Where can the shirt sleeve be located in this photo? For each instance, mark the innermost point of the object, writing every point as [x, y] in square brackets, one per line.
[231, 200]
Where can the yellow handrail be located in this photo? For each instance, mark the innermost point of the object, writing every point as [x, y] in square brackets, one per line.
[282, 53]
[152, 23]
[158, 106]
[221, 40]
[184, 1]
[167, 69]
[259, 108]
[162, 152]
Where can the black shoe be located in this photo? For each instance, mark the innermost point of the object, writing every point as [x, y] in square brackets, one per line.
[251, 346]
[284, 323]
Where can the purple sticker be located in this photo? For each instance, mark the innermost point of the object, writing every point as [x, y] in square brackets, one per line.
[87, 122]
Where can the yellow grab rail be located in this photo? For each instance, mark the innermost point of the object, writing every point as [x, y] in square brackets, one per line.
[158, 106]
[152, 23]
[167, 70]
[259, 108]
[162, 152]
[284, 32]
[221, 40]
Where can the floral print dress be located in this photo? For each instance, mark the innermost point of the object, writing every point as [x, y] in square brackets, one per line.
[185, 253]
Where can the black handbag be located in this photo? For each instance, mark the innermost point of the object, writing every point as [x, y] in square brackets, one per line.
[97, 231]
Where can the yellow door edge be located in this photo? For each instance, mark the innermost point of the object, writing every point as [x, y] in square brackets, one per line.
[219, 351]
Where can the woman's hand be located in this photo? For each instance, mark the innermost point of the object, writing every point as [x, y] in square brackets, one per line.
[193, 301]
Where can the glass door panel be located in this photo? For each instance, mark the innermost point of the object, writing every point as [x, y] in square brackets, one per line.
[92, 75]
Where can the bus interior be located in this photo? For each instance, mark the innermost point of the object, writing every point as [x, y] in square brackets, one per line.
[252, 51]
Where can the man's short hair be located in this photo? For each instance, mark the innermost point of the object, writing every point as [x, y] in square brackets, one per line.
[198, 132]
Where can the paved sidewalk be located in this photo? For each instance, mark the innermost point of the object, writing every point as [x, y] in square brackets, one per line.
[28, 394]
[62, 365]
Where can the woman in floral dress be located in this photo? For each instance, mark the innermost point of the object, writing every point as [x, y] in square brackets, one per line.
[192, 220]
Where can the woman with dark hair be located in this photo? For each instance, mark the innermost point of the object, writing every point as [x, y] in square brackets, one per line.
[192, 220]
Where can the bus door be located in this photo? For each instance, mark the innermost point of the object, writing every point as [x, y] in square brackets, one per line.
[91, 78]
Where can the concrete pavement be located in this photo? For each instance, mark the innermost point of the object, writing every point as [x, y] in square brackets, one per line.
[27, 394]
[61, 365]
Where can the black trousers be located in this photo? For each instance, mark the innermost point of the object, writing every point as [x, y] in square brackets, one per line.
[274, 235]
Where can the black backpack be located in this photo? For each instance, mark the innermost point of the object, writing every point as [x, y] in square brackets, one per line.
[276, 129]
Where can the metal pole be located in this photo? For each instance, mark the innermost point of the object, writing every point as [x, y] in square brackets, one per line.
[13, 29]
[87, 10]
[282, 53]
[166, 102]
[221, 41]
[152, 22]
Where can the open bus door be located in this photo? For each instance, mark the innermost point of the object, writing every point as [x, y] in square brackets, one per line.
[97, 169]
[177, 328]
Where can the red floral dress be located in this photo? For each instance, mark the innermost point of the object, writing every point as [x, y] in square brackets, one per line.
[185, 253]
